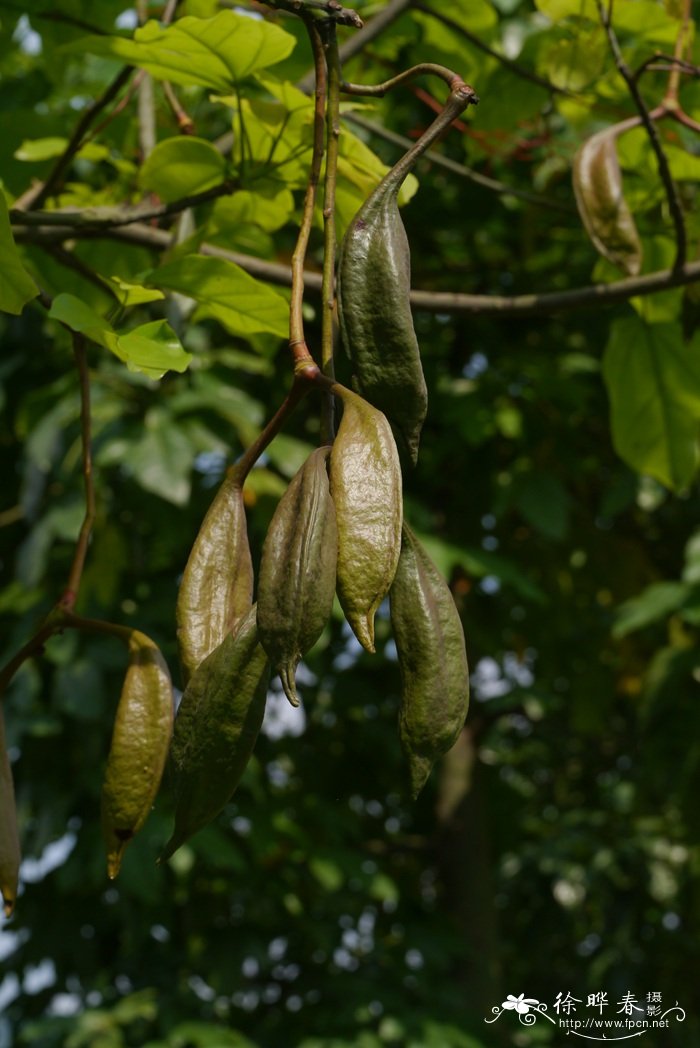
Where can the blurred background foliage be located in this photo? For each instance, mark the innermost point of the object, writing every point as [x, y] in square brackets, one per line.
[556, 848]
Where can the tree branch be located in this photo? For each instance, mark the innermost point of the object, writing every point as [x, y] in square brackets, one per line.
[358, 41]
[330, 9]
[509, 63]
[596, 295]
[35, 197]
[70, 593]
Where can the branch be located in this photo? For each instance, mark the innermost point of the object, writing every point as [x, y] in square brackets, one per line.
[379, 90]
[358, 41]
[672, 196]
[35, 197]
[430, 301]
[329, 234]
[112, 218]
[297, 340]
[458, 169]
[329, 8]
[509, 63]
[70, 593]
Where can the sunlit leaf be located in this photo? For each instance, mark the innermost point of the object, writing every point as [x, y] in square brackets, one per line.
[227, 293]
[182, 166]
[212, 52]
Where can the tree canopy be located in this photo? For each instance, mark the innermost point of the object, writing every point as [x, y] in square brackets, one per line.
[155, 164]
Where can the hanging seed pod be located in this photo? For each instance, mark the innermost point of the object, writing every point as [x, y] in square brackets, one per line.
[216, 727]
[217, 584]
[9, 837]
[366, 491]
[297, 570]
[601, 203]
[142, 730]
[432, 659]
[374, 284]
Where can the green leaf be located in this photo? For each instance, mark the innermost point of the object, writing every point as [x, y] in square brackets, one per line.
[227, 293]
[132, 294]
[40, 149]
[16, 286]
[181, 166]
[161, 462]
[212, 52]
[544, 502]
[151, 348]
[654, 603]
[653, 381]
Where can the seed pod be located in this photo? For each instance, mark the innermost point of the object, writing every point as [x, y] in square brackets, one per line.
[217, 584]
[432, 659]
[374, 284]
[366, 490]
[9, 837]
[297, 570]
[602, 206]
[216, 727]
[142, 730]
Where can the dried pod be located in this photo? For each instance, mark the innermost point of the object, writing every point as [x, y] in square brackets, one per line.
[9, 837]
[216, 727]
[217, 584]
[366, 490]
[140, 740]
[374, 285]
[297, 570]
[602, 206]
[432, 658]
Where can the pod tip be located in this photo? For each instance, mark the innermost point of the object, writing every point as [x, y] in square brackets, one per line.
[419, 769]
[286, 673]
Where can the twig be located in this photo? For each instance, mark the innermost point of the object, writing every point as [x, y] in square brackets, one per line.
[300, 388]
[670, 99]
[379, 90]
[650, 65]
[70, 593]
[35, 197]
[121, 105]
[329, 236]
[112, 218]
[456, 168]
[297, 339]
[672, 196]
[34, 646]
[184, 121]
[71, 261]
[509, 63]
[358, 41]
[430, 301]
[329, 8]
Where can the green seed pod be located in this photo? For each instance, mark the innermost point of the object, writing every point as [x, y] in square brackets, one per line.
[374, 284]
[297, 570]
[217, 584]
[216, 727]
[602, 206]
[366, 490]
[9, 837]
[140, 740]
[432, 659]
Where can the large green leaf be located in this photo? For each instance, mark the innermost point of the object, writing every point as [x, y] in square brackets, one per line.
[227, 293]
[653, 380]
[180, 166]
[162, 460]
[151, 348]
[654, 603]
[16, 286]
[212, 52]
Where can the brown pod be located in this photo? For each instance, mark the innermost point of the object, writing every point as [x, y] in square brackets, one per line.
[601, 203]
[9, 837]
[432, 659]
[297, 570]
[366, 490]
[217, 585]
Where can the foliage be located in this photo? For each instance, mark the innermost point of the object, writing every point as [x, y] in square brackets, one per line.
[557, 846]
